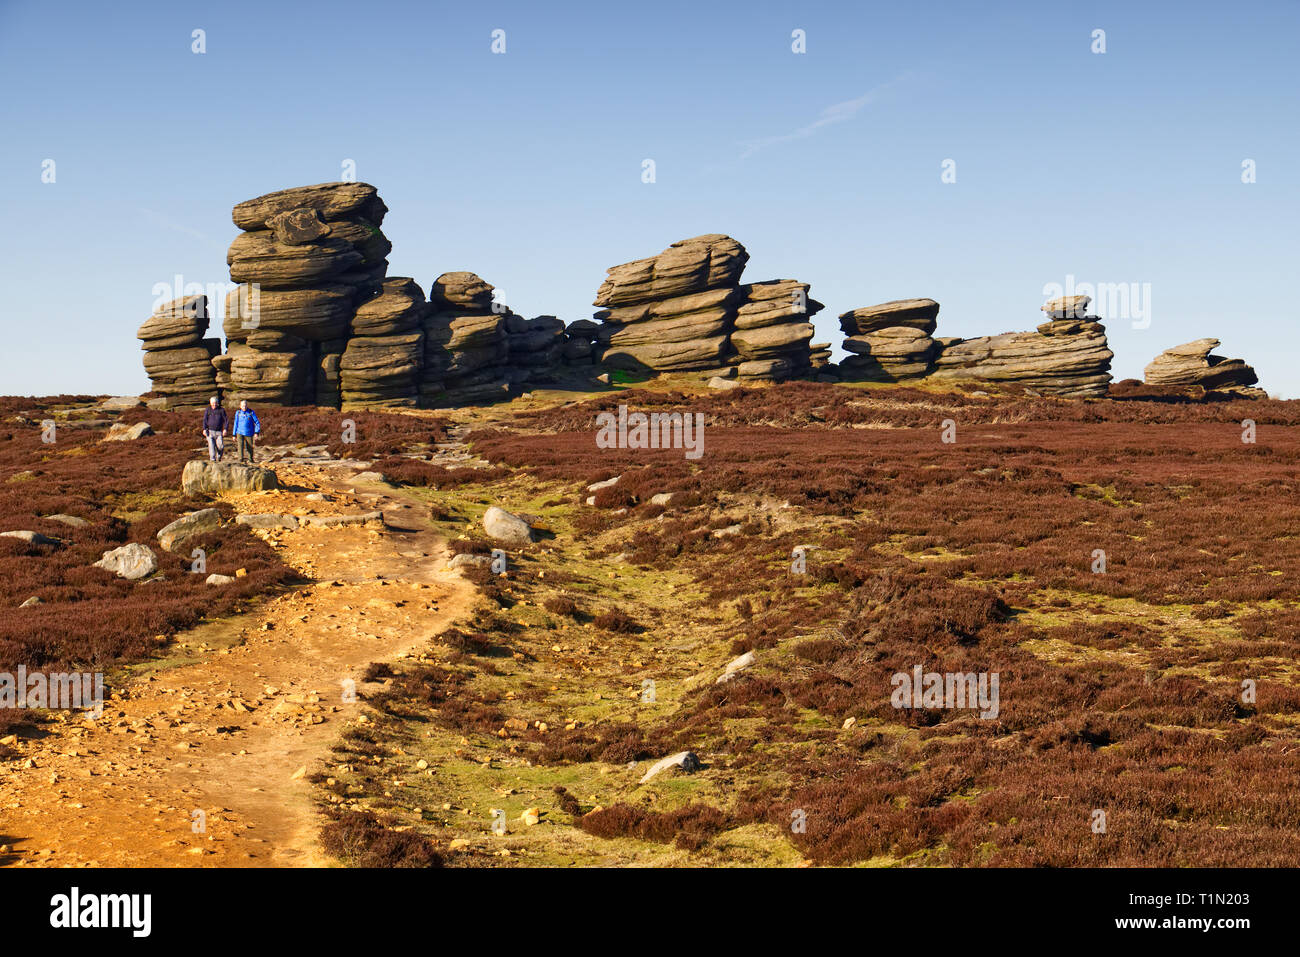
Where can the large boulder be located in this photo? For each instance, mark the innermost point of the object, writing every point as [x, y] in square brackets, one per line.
[132, 562]
[912, 313]
[188, 526]
[330, 201]
[202, 477]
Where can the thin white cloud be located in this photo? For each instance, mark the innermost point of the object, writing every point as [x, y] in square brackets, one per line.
[166, 222]
[835, 113]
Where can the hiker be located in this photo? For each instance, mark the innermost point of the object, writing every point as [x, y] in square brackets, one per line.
[214, 429]
[247, 429]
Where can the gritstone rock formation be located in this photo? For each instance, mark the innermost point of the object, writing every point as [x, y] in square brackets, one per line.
[381, 364]
[772, 330]
[1067, 355]
[1190, 366]
[177, 358]
[309, 257]
[685, 309]
[890, 342]
[466, 345]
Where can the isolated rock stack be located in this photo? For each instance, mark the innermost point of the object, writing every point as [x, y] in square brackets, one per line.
[890, 342]
[772, 329]
[466, 344]
[1191, 367]
[177, 358]
[382, 362]
[1068, 355]
[308, 256]
[674, 311]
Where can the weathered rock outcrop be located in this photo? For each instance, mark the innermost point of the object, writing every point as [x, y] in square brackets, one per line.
[309, 260]
[1065, 356]
[685, 309]
[381, 364]
[773, 328]
[177, 359]
[1190, 366]
[466, 345]
[890, 342]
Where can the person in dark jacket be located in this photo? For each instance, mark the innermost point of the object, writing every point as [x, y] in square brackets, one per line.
[214, 429]
[247, 429]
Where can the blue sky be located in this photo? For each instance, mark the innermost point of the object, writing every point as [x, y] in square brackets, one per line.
[1116, 168]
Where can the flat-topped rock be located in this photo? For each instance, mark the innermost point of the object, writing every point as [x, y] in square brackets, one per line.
[915, 313]
[328, 200]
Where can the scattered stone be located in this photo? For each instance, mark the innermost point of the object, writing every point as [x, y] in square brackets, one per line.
[188, 526]
[717, 382]
[132, 562]
[465, 559]
[121, 403]
[70, 520]
[34, 600]
[735, 666]
[121, 432]
[506, 527]
[31, 538]
[332, 521]
[268, 520]
[608, 483]
[215, 579]
[684, 761]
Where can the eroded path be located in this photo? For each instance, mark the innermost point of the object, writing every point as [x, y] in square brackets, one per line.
[204, 760]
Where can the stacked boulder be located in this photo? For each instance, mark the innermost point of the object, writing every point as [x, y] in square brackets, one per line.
[674, 311]
[466, 343]
[890, 342]
[580, 343]
[1191, 367]
[772, 330]
[382, 363]
[536, 346]
[177, 358]
[685, 309]
[307, 258]
[1068, 355]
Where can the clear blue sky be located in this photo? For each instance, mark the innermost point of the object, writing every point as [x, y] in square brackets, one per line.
[1122, 167]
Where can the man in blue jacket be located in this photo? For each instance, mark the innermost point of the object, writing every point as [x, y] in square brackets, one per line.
[248, 429]
[214, 429]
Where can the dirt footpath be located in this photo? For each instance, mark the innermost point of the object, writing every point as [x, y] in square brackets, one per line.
[204, 761]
